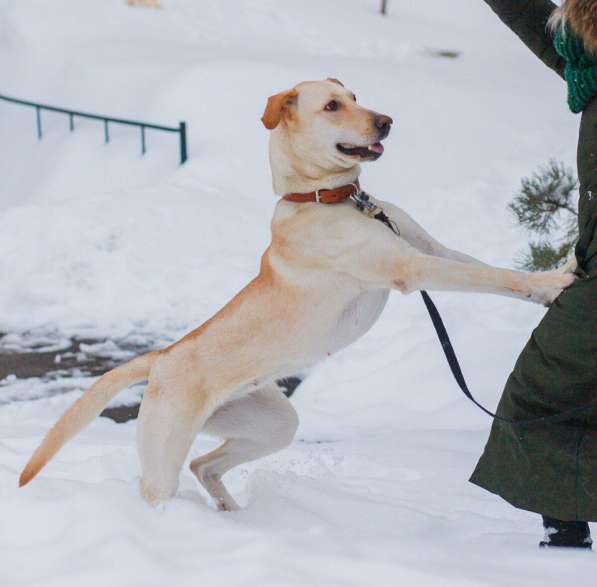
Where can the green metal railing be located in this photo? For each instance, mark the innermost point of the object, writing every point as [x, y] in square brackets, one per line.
[181, 129]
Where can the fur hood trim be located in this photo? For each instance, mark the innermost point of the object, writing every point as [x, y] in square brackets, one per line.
[581, 17]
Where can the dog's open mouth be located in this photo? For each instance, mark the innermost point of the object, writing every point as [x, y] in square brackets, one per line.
[368, 152]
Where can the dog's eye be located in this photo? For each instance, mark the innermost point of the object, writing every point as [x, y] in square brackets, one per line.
[332, 106]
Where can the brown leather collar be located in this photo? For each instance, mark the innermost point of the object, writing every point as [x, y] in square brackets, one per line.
[333, 196]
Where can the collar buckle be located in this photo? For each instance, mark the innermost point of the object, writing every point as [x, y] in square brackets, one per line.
[364, 202]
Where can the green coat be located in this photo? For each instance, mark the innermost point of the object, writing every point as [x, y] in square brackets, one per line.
[552, 469]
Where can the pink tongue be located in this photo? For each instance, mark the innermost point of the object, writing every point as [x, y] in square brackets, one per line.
[377, 148]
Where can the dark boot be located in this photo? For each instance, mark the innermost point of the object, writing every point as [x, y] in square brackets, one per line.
[560, 534]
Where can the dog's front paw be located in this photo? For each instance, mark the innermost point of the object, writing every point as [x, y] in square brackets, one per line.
[546, 286]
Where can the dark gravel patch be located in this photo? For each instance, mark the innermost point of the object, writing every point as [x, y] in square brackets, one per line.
[47, 363]
[68, 361]
[74, 360]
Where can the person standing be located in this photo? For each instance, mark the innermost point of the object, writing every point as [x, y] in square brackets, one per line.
[551, 469]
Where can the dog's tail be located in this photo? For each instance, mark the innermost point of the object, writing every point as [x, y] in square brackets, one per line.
[85, 409]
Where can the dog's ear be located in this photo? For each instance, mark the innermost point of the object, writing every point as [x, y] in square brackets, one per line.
[335, 81]
[276, 106]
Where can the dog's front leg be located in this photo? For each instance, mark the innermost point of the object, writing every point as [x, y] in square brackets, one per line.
[427, 272]
[419, 238]
[377, 257]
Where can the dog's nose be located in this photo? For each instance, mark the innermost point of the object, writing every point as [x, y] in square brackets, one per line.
[383, 123]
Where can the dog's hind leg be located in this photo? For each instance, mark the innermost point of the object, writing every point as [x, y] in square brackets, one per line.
[253, 426]
[168, 423]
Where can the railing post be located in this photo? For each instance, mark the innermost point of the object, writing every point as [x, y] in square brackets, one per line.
[142, 140]
[38, 120]
[183, 142]
[71, 122]
[106, 133]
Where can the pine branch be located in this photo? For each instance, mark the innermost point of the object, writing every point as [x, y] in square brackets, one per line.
[544, 196]
[546, 206]
[543, 256]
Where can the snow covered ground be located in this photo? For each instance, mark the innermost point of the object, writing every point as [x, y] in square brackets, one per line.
[96, 241]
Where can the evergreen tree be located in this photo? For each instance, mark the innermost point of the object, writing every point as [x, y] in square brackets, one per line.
[546, 207]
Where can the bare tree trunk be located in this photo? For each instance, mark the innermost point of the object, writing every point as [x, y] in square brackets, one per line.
[384, 6]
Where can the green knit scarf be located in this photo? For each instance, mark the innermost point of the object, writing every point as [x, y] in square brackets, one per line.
[580, 71]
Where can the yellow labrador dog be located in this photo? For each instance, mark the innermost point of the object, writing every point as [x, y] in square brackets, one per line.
[323, 282]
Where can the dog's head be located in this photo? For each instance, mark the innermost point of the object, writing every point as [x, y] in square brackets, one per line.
[324, 125]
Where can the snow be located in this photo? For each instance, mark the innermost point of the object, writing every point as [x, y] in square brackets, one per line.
[96, 241]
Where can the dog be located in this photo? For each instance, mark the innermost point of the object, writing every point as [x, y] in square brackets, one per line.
[323, 282]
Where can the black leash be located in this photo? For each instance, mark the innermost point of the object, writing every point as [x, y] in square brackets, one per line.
[448, 349]
[364, 204]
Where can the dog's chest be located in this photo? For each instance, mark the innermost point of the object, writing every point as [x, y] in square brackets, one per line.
[357, 317]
